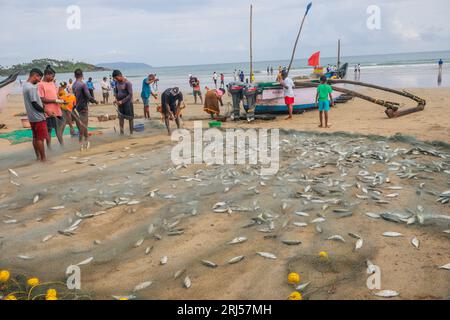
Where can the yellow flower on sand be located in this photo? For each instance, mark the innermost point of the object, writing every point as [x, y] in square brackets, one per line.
[295, 296]
[33, 282]
[4, 276]
[11, 297]
[323, 255]
[294, 278]
[52, 294]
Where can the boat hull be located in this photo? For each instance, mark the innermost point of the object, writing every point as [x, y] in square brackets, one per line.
[272, 100]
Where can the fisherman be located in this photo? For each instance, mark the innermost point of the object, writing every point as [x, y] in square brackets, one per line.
[146, 93]
[124, 101]
[83, 98]
[271, 71]
[235, 74]
[36, 113]
[67, 108]
[106, 88]
[222, 80]
[359, 68]
[90, 85]
[197, 91]
[212, 100]
[242, 76]
[324, 99]
[49, 96]
[441, 64]
[171, 100]
[289, 96]
[215, 77]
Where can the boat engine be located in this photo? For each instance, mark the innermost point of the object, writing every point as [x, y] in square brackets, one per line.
[236, 89]
[250, 93]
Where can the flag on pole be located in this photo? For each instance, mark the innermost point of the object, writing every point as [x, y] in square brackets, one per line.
[314, 61]
[308, 7]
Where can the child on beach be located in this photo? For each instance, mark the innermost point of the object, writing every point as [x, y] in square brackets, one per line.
[324, 99]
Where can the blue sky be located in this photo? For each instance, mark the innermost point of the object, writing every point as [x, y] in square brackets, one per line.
[176, 32]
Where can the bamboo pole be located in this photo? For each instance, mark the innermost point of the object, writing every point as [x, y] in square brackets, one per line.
[251, 43]
[298, 37]
[339, 54]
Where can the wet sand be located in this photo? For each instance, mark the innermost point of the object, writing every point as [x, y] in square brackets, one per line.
[130, 168]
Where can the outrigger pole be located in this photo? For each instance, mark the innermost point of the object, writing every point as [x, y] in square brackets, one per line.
[392, 108]
[298, 36]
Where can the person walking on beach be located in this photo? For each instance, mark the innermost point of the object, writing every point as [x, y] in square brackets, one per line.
[146, 93]
[359, 68]
[215, 77]
[197, 91]
[106, 88]
[83, 98]
[235, 74]
[52, 105]
[289, 96]
[124, 101]
[324, 99]
[271, 71]
[222, 80]
[171, 100]
[35, 113]
[242, 76]
[441, 64]
[90, 85]
[67, 108]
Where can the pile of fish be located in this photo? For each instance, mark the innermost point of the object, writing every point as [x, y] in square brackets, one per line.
[321, 179]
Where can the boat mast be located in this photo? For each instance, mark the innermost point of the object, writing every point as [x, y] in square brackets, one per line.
[251, 43]
[339, 54]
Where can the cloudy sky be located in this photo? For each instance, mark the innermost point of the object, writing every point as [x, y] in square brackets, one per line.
[180, 32]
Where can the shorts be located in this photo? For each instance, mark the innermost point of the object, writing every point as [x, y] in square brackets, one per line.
[53, 123]
[145, 101]
[126, 111]
[197, 93]
[324, 106]
[105, 95]
[173, 108]
[289, 100]
[39, 130]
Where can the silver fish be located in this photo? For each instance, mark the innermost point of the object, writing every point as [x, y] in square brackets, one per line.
[336, 238]
[35, 199]
[415, 242]
[446, 267]
[236, 260]
[392, 234]
[85, 262]
[163, 260]
[139, 243]
[387, 294]
[301, 214]
[359, 244]
[300, 224]
[179, 273]
[142, 286]
[302, 287]
[373, 215]
[318, 220]
[291, 242]
[187, 282]
[209, 264]
[238, 240]
[47, 238]
[267, 255]
[14, 173]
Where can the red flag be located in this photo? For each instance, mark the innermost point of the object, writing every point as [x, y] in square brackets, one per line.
[314, 61]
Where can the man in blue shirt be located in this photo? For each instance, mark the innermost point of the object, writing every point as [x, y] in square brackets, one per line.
[90, 85]
[441, 63]
[146, 93]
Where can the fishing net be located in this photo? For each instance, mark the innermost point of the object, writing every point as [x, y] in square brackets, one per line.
[21, 136]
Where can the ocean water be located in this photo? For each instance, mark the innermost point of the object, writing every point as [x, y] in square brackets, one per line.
[405, 70]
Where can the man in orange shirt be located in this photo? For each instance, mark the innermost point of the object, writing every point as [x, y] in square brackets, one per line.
[52, 105]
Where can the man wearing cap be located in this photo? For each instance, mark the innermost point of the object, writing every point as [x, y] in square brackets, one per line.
[171, 100]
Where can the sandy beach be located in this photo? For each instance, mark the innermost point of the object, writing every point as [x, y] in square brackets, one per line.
[109, 188]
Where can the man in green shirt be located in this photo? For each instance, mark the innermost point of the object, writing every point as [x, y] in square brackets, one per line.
[324, 99]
